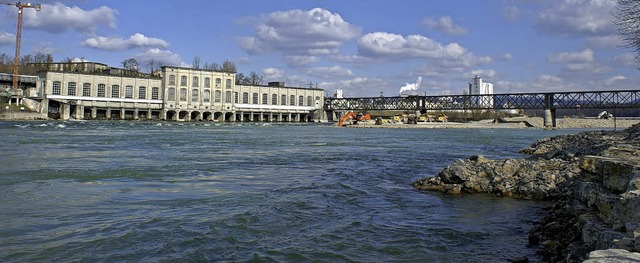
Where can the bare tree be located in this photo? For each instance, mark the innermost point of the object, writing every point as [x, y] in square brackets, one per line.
[228, 66]
[254, 78]
[627, 19]
[196, 62]
[131, 64]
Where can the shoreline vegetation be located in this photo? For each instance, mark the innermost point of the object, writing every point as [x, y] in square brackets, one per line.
[592, 180]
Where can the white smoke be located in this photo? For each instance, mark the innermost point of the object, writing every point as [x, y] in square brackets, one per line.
[411, 88]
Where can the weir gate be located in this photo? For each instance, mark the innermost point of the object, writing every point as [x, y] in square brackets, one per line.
[549, 102]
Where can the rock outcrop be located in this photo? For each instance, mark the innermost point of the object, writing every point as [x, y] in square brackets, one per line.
[593, 179]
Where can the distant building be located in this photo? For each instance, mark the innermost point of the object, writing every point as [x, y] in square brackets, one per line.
[478, 87]
[338, 94]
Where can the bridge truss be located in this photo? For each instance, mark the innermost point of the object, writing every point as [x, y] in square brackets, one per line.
[618, 99]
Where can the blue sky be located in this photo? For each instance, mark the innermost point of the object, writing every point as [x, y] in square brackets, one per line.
[362, 47]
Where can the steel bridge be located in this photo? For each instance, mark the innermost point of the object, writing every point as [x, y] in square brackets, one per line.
[549, 101]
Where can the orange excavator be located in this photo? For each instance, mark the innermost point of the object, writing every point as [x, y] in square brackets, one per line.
[356, 117]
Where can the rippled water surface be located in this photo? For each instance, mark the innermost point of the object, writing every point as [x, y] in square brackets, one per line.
[148, 191]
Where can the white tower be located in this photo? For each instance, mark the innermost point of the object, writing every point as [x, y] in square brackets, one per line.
[477, 87]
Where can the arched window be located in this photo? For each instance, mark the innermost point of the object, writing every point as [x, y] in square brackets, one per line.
[206, 95]
[56, 88]
[265, 98]
[142, 93]
[218, 83]
[194, 95]
[71, 88]
[207, 82]
[255, 98]
[227, 97]
[171, 94]
[102, 91]
[309, 101]
[172, 80]
[128, 92]
[195, 82]
[183, 94]
[115, 91]
[155, 93]
[300, 100]
[235, 95]
[86, 89]
[245, 97]
[183, 81]
[283, 100]
[274, 99]
[292, 100]
[218, 94]
[228, 83]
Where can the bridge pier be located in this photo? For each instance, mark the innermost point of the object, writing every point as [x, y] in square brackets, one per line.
[550, 118]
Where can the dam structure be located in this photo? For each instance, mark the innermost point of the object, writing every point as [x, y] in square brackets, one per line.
[89, 90]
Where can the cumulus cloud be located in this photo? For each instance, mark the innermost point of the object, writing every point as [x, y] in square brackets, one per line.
[612, 80]
[359, 87]
[335, 72]
[273, 73]
[313, 32]
[7, 38]
[577, 18]
[160, 57]
[118, 44]
[584, 56]
[382, 44]
[58, 17]
[444, 24]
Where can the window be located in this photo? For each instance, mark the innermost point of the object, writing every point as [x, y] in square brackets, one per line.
[300, 100]
[102, 90]
[207, 82]
[183, 94]
[194, 95]
[183, 81]
[245, 97]
[71, 89]
[206, 95]
[86, 89]
[227, 97]
[195, 82]
[283, 100]
[292, 100]
[235, 95]
[255, 98]
[128, 92]
[155, 93]
[171, 94]
[56, 88]
[218, 83]
[274, 99]
[218, 94]
[172, 80]
[228, 84]
[142, 93]
[309, 101]
[115, 91]
[265, 97]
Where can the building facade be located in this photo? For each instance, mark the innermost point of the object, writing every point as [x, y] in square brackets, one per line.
[478, 87]
[88, 90]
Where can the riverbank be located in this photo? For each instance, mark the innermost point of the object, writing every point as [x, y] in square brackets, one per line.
[509, 123]
[593, 179]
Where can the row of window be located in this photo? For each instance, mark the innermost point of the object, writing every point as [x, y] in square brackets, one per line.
[195, 82]
[217, 97]
[114, 91]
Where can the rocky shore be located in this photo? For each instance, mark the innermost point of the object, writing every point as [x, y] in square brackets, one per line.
[592, 179]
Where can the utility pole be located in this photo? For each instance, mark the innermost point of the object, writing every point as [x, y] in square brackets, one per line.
[16, 59]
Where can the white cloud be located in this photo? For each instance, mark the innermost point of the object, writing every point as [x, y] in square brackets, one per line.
[584, 56]
[273, 73]
[313, 32]
[163, 57]
[484, 73]
[335, 72]
[7, 38]
[612, 80]
[300, 60]
[59, 17]
[359, 87]
[382, 44]
[444, 24]
[118, 44]
[577, 18]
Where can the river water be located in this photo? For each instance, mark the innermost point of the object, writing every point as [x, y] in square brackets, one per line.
[104, 191]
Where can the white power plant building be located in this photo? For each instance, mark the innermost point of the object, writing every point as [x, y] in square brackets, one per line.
[478, 87]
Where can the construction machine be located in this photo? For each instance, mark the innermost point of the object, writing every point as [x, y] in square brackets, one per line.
[354, 117]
